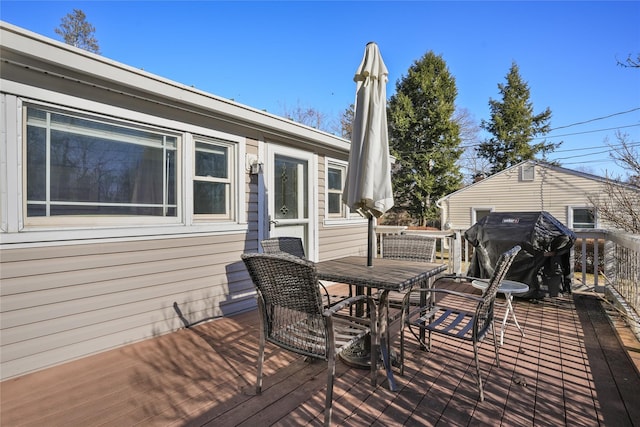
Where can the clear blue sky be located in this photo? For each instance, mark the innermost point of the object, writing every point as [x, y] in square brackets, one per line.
[280, 55]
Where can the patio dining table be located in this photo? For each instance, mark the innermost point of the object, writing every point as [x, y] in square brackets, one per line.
[386, 275]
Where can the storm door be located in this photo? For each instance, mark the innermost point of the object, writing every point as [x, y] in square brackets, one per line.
[290, 196]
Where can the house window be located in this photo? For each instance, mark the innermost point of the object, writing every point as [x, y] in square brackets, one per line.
[83, 166]
[478, 213]
[527, 172]
[582, 217]
[212, 184]
[335, 186]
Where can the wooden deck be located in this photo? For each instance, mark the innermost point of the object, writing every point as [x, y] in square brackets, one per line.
[570, 369]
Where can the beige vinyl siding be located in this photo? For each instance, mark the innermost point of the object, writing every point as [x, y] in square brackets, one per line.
[70, 301]
[337, 240]
[552, 190]
[251, 189]
[322, 185]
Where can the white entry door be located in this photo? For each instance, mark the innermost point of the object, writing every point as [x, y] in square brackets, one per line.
[290, 196]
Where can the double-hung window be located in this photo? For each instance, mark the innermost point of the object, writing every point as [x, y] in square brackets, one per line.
[81, 166]
[480, 212]
[213, 191]
[582, 217]
[336, 174]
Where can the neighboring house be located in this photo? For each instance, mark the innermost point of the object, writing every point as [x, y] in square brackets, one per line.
[527, 186]
[126, 200]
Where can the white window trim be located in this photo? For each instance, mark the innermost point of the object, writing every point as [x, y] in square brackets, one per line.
[570, 220]
[15, 233]
[273, 148]
[233, 184]
[335, 164]
[349, 217]
[73, 221]
[474, 210]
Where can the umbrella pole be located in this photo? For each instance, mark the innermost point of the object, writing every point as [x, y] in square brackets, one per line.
[370, 242]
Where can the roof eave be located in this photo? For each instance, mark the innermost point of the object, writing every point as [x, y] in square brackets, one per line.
[24, 43]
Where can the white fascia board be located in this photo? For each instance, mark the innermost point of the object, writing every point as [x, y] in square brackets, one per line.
[94, 66]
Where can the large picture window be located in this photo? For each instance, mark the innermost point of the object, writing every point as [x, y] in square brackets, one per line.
[212, 184]
[82, 166]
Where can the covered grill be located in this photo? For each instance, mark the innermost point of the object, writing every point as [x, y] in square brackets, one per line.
[544, 261]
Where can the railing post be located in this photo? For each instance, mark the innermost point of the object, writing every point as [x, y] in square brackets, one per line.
[583, 261]
[596, 265]
[456, 246]
[610, 262]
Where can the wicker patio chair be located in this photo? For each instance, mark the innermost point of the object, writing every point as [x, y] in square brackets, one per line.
[294, 246]
[293, 318]
[452, 320]
[409, 246]
[289, 245]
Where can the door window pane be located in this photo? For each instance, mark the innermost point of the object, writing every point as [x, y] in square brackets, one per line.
[290, 188]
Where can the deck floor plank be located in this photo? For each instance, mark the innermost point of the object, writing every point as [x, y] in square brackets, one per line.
[570, 369]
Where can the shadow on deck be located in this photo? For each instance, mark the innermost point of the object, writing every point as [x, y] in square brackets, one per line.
[570, 369]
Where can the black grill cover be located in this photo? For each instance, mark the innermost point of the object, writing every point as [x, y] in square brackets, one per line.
[544, 261]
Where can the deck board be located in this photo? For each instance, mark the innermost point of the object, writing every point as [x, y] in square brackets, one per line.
[570, 369]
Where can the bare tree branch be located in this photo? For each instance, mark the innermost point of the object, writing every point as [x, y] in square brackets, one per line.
[619, 203]
[630, 62]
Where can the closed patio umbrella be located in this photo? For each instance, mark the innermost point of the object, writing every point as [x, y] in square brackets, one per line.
[368, 182]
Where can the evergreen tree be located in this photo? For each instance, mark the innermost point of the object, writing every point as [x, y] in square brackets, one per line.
[76, 31]
[513, 126]
[424, 136]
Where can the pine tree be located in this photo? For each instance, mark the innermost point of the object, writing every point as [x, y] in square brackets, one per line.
[76, 31]
[513, 126]
[424, 137]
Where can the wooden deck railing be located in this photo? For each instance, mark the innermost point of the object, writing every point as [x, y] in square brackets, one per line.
[610, 260]
[606, 261]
